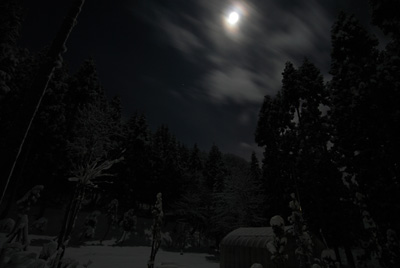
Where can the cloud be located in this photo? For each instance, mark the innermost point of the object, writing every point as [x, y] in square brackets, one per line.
[245, 64]
[245, 150]
[182, 38]
[235, 84]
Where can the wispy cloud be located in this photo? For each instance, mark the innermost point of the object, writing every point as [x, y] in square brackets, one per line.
[181, 38]
[246, 64]
[234, 84]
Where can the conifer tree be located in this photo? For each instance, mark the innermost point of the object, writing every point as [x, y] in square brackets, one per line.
[10, 24]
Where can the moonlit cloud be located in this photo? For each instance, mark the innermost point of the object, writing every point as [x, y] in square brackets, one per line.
[234, 84]
[247, 65]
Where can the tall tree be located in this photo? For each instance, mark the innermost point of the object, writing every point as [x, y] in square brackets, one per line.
[296, 159]
[137, 179]
[41, 81]
[10, 24]
[271, 133]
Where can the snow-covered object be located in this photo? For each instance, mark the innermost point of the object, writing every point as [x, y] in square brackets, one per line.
[21, 259]
[166, 239]
[299, 231]
[90, 225]
[368, 222]
[271, 247]
[328, 256]
[40, 224]
[7, 250]
[391, 235]
[156, 229]
[48, 250]
[277, 245]
[7, 225]
[392, 248]
[38, 264]
[294, 204]
[277, 221]
[129, 221]
[295, 216]
[20, 231]
[69, 263]
[305, 238]
[29, 198]
[112, 211]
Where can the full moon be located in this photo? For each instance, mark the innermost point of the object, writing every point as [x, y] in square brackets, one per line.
[233, 18]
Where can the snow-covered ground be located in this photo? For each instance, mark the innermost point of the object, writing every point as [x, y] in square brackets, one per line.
[108, 256]
[105, 256]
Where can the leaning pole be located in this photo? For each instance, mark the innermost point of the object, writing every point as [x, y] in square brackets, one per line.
[41, 81]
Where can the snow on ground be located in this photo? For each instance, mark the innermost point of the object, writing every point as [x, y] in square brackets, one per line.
[122, 257]
[105, 256]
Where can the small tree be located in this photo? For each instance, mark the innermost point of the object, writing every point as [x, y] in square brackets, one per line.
[85, 177]
[89, 227]
[156, 230]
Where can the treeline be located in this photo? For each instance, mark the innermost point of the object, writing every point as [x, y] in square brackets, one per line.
[336, 144]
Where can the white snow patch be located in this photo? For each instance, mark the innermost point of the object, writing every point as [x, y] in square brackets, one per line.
[122, 257]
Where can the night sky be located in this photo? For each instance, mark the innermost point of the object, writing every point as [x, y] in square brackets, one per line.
[179, 63]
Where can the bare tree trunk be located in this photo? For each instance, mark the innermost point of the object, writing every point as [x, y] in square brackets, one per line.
[157, 222]
[109, 223]
[16, 185]
[350, 258]
[68, 223]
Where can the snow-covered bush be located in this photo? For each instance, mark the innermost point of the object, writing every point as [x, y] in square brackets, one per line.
[128, 225]
[20, 231]
[370, 243]
[90, 225]
[328, 258]
[279, 241]
[167, 239]
[392, 249]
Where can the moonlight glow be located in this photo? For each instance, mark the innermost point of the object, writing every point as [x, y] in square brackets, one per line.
[233, 18]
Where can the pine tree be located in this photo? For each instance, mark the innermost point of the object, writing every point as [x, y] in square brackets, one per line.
[167, 169]
[136, 182]
[364, 93]
[214, 170]
[10, 24]
[270, 134]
